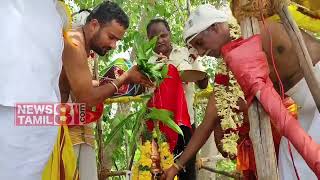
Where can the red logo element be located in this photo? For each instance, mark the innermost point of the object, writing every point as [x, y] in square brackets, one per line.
[50, 114]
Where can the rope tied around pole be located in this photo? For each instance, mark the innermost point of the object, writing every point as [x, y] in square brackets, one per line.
[254, 8]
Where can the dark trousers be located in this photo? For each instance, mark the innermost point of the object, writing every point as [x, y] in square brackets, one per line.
[190, 173]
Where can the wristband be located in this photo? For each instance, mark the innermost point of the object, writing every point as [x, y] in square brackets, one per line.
[115, 86]
[178, 165]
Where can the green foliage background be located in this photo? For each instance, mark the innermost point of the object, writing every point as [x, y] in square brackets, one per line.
[140, 13]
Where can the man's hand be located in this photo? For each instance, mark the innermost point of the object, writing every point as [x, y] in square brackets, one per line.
[136, 77]
[95, 83]
[171, 173]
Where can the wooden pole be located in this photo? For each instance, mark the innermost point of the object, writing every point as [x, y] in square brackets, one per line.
[99, 139]
[116, 173]
[260, 127]
[227, 174]
[304, 58]
[262, 141]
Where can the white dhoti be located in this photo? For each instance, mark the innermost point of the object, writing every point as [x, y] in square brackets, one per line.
[87, 163]
[309, 119]
[24, 150]
[83, 140]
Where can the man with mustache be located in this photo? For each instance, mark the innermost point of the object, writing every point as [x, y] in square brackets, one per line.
[207, 31]
[191, 72]
[104, 27]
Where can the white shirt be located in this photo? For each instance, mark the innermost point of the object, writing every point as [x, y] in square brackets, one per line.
[179, 57]
[30, 51]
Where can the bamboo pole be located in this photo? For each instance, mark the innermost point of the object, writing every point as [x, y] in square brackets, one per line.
[304, 58]
[260, 127]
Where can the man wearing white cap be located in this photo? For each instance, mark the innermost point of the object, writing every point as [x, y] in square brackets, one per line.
[30, 65]
[206, 30]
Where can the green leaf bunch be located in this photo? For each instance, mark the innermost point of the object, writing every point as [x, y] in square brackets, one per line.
[144, 51]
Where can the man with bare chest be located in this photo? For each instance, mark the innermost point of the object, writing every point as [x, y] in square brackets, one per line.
[286, 59]
[212, 37]
[295, 86]
[104, 27]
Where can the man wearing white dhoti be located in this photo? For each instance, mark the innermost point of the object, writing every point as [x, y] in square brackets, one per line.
[30, 63]
[207, 32]
[309, 118]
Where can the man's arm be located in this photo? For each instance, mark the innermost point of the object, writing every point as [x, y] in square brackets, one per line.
[64, 86]
[78, 73]
[199, 138]
[202, 133]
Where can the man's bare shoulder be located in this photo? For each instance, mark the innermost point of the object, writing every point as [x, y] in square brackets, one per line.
[282, 42]
[74, 47]
[280, 38]
[76, 37]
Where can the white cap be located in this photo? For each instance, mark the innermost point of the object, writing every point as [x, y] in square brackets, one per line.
[202, 18]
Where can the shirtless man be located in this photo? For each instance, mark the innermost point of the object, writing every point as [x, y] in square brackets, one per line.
[212, 38]
[105, 25]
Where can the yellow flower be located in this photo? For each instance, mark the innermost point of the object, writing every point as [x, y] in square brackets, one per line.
[146, 148]
[145, 175]
[135, 172]
[145, 160]
[167, 162]
[166, 156]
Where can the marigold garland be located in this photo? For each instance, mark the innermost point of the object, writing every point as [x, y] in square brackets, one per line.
[166, 156]
[141, 169]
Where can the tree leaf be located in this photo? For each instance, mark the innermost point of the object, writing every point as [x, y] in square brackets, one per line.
[165, 117]
[118, 127]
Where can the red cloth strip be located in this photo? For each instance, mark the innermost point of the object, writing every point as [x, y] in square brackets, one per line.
[170, 96]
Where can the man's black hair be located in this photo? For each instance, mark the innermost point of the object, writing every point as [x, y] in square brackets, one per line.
[156, 21]
[107, 12]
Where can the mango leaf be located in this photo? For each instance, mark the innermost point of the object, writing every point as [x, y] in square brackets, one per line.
[136, 131]
[146, 96]
[164, 71]
[152, 43]
[144, 51]
[118, 127]
[165, 117]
